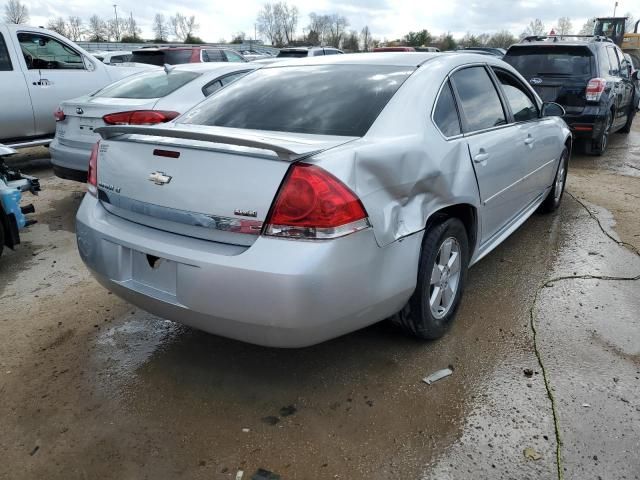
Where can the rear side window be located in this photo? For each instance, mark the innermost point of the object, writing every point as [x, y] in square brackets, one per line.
[213, 56]
[155, 84]
[562, 61]
[479, 99]
[160, 57]
[320, 99]
[522, 106]
[5, 61]
[211, 87]
[445, 114]
[613, 62]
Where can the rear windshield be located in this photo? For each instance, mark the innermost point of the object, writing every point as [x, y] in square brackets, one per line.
[550, 60]
[155, 57]
[155, 84]
[293, 53]
[323, 99]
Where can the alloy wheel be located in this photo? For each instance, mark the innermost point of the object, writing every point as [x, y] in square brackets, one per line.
[445, 278]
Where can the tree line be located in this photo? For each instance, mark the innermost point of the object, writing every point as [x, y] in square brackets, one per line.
[278, 23]
[124, 29]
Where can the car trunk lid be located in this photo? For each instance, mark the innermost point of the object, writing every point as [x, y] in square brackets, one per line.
[214, 183]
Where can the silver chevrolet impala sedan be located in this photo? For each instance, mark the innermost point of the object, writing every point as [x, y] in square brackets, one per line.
[312, 198]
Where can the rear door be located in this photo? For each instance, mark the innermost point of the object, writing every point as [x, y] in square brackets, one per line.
[626, 85]
[558, 73]
[493, 147]
[16, 114]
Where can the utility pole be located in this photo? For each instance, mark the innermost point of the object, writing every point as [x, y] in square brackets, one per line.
[117, 29]
[615, 7]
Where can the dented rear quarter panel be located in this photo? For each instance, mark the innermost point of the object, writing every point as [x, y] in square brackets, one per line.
[404, 170]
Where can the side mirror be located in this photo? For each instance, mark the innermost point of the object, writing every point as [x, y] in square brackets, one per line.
[636, 75]
[552, 109]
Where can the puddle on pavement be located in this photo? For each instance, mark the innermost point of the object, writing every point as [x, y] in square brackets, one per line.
[361, 405]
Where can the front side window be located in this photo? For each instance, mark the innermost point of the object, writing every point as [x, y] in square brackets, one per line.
[213, 56]
[42, 52]
[479, 99]
[522, 106]
[445, 115]
[152, 84]
[320, 99]
[5, 61]
[233, 57]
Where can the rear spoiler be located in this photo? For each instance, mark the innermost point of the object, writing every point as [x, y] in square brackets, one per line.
[239, 139]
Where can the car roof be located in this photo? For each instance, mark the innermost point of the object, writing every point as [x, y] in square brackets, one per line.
[398, 59]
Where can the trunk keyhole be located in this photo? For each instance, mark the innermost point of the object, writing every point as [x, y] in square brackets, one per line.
[154, 262]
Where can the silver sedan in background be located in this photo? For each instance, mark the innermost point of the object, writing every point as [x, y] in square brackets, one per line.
[315, 197]
[148, 98]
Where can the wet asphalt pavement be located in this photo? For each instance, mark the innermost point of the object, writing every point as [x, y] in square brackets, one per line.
[91, 387]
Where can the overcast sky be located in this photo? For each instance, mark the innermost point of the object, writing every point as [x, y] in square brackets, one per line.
[388, 19]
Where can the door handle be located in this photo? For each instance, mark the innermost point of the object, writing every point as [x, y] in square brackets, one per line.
[529, 140]
[43, 82]
[481, 156]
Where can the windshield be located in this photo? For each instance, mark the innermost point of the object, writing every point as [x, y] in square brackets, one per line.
[324, 99]
[155, 84]
[160, 57]
[550, 60]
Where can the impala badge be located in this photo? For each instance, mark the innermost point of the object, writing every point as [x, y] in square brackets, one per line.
[159, 178]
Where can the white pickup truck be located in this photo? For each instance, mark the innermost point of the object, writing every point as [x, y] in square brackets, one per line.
[38, 70]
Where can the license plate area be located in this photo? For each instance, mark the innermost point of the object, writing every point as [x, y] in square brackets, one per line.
[154, 272]
[86, 126]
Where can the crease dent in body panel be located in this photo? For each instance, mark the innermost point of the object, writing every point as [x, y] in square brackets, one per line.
[402, 188]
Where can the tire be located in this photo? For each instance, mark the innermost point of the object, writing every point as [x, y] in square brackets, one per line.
[599, 146]
[552, 202]
[632, 113]
[418, 317]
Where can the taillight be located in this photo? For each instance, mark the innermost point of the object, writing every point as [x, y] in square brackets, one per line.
[313, 204]
[59, 115]
[595, 87]
[92, 174]
[139, 117]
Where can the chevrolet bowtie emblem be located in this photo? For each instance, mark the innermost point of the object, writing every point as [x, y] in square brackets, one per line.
[159, 178]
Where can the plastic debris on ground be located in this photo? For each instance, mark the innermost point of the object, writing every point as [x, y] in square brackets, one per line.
[239, 475]
[531, 454]
[435, 376]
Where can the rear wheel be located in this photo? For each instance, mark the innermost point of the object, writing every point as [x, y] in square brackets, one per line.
[552, 202]
[599, 146]
[630, 116]
[441, 277]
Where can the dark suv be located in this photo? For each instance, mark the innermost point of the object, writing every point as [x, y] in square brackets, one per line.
[589, 77]
[188, 54]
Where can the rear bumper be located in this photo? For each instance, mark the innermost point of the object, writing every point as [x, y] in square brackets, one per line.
[588, 124]
[73, 160]
[277, 292]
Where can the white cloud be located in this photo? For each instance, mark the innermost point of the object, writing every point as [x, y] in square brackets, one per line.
[386, 18]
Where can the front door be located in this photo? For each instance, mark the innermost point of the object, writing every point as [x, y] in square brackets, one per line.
[492, 147]
[54, 72]
[16, 115]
